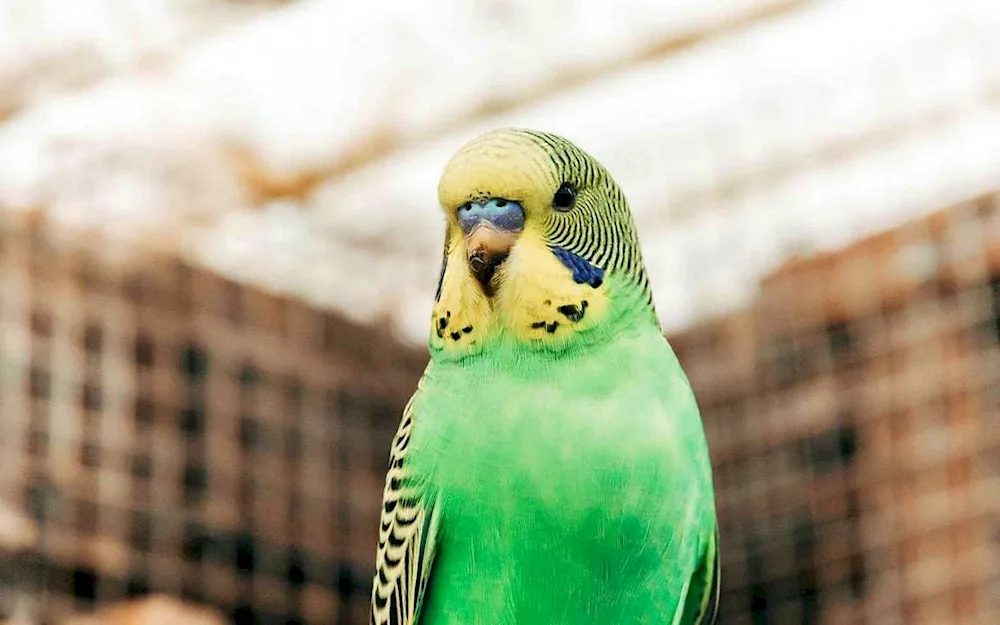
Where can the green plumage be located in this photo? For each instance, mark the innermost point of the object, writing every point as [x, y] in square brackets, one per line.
[547, 485]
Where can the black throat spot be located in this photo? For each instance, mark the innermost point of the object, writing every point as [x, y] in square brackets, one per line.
[484, 269]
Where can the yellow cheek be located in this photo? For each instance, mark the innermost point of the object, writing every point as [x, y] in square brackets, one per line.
[540, 301]
[463, 315]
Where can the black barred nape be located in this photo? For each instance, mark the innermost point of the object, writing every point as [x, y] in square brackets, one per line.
[599, 227]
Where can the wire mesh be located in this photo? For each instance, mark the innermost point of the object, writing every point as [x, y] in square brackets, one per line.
[167, 431]
[851, 413]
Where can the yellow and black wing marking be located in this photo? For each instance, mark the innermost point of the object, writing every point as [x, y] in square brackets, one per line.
[406, 540]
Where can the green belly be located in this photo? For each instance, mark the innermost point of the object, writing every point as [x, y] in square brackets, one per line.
[573, 499]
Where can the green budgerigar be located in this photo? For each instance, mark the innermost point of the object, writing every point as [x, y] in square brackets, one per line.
[551, 467]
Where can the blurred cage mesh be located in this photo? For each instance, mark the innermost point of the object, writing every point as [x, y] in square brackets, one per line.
[852, 414]
[168, 431]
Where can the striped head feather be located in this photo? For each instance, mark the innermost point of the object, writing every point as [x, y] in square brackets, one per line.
[540, 245]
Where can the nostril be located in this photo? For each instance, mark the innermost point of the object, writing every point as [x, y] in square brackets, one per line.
[501, 203]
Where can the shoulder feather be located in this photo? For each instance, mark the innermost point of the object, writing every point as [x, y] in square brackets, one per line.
[407, 536]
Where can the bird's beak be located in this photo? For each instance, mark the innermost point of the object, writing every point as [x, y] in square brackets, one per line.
[488, 246]
[491, 229]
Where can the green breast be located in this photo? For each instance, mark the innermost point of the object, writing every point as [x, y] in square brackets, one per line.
[575, 489]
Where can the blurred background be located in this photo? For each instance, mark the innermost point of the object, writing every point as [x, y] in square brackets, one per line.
[219, 242]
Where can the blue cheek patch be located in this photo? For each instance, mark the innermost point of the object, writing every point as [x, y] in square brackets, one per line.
[583, 271]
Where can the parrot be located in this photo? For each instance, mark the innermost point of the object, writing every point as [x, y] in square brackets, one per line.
[551, 466]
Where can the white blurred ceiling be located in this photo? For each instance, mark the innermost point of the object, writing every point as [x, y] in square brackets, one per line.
[297, 145]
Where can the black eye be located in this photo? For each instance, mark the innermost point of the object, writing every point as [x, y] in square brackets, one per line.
[565, 198]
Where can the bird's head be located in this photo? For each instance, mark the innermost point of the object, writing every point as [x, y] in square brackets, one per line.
[540, 244]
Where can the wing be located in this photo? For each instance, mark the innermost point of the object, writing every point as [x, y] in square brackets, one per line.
[406, 539]
[701, 605]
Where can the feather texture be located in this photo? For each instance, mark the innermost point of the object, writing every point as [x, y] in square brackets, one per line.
[702, 603]
[407, 536]
[551, 466]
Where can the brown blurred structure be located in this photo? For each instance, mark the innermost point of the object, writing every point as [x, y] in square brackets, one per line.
[852, 415]
[169, 431]
[156, 610]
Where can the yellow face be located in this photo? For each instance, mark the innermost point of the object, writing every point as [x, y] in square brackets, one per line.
[500, 165]
[504, 194]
